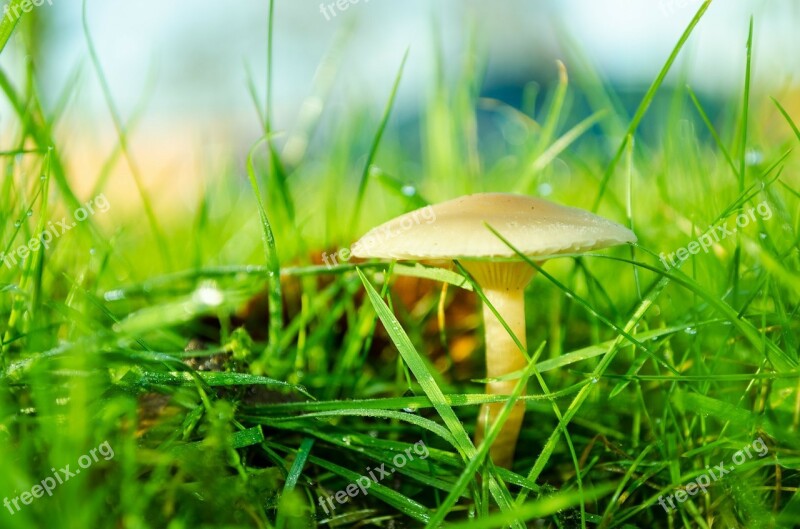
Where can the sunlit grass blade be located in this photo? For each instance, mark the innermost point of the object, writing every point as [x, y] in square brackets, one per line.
[273, 264]
[384, 493]
[11, 17]
[376, 142]
[540, 508]
[646, 102]
[122, 138]
[462, 441]
[557, 147]
[713, 131]
[774, 353]
[494, 430]
[787, 117]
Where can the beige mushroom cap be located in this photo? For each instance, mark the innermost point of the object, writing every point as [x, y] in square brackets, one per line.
[457, 229]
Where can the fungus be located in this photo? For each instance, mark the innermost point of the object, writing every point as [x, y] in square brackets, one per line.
[536, 228]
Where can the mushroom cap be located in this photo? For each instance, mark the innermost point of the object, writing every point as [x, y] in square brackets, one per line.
[457, 229]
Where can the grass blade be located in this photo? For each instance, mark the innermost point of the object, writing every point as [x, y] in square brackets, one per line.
[376, 141]
[646, 101]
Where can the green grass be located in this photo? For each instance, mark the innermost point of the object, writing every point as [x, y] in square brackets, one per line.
[640, 377]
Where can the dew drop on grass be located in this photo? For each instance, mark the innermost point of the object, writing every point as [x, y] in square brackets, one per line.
[762, 235]
[43, 177]
[92, 251]
[114, 295]
[17, 223]
[409, 191]
[690, 330]
[346, 440]
[30, 213]
[594, 380]
[545, 189]
[209, 295]
[753, 157]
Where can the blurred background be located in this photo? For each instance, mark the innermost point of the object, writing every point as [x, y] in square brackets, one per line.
[160, 105]
[180, 74]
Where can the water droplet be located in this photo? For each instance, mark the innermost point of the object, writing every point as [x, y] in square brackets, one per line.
[17, 223]
[762, 235]
[594, 380]
[545, 189]
[30, 213]
[92, 251]
[114, 295]
[411, 409]
[690, 330]
[346, 440]
[753, 157]
[43, 177]
[209, 295]
[409, 191]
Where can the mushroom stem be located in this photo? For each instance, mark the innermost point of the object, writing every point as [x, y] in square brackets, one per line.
[503, 284]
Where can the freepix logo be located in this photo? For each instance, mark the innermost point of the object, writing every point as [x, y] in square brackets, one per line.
[715, 235]
[381, 235]
[333, 8]
[54, 231]
[26, 6]
[703, 481]
[59, 477]
[376, 475]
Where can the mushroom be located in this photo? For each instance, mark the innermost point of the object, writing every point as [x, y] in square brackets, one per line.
[458, 231]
